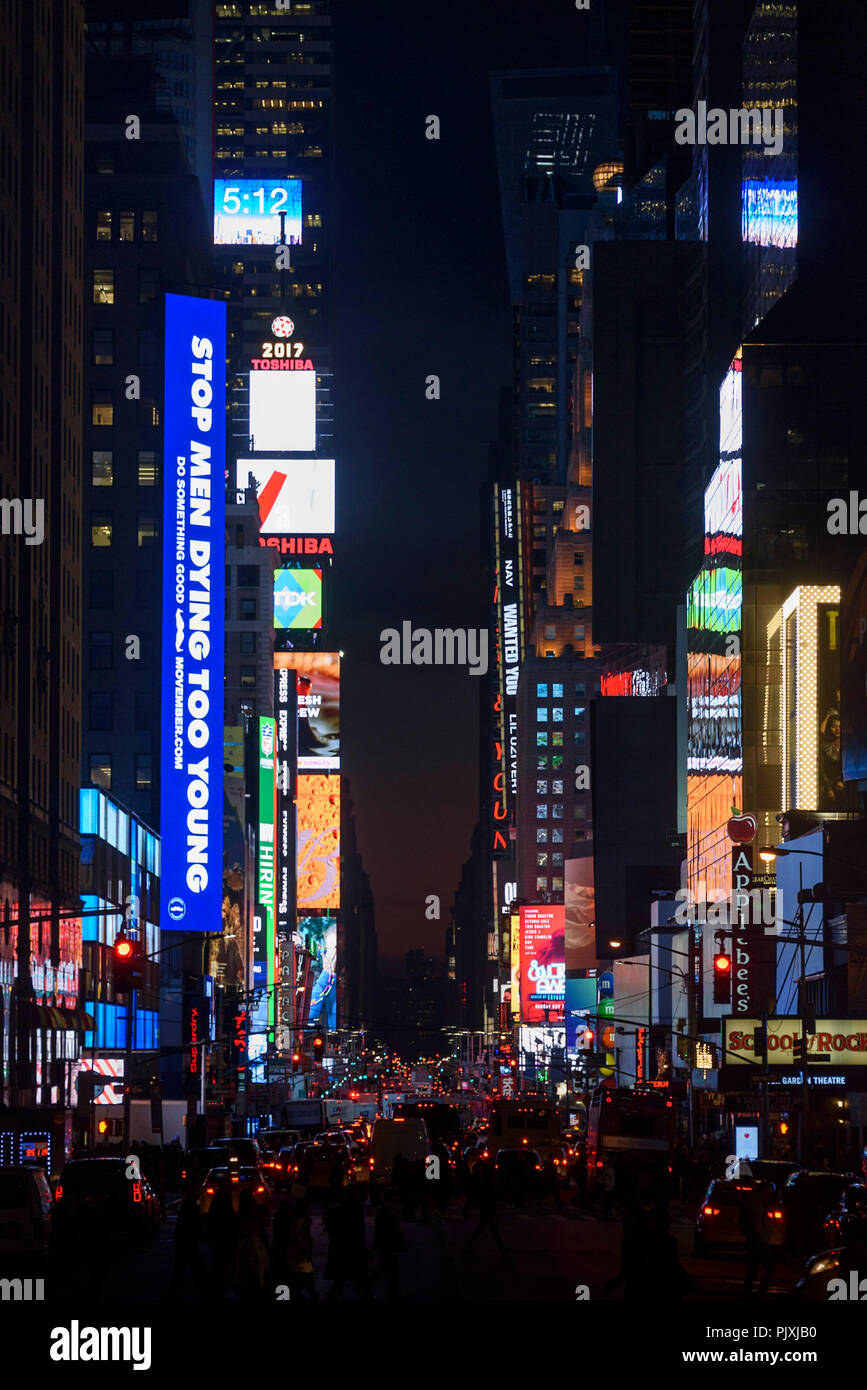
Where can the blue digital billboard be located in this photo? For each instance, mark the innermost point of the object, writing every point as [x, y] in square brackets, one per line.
[194, 545]
[247, 211]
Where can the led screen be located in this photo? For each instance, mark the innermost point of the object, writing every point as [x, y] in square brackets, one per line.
[318, 677]
[296, 496]
[283, 412]
[194, 533]
[247, 211]
[318, 841]
[297, 599]
[318, 936]
[543, 963]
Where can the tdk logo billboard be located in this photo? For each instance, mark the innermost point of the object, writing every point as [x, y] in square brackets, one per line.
[194, 545]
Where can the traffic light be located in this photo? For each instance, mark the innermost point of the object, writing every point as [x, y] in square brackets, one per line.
[127, 964]
[722, 976]
[799, 1049]
[318, 1042]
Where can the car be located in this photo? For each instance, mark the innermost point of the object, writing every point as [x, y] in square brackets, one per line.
[126, 1209]
[321, 1167]
[236, 1178]
[246, 1151]
[807, 1198]
[271, 1141]
[851, 1208]
[404, 1139]
[776, 1171]
[718, 1220]
[26, 1210]
[197, 1163]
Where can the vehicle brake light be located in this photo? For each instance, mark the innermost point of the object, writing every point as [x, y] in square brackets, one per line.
[776, 1215]
[260, 1188]
[711, 1211]
[210, 1191]
[235, 1178]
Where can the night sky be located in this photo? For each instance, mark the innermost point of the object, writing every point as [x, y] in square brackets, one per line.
[420, 288]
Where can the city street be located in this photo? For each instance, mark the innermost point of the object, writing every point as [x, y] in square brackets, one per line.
[549, 1251]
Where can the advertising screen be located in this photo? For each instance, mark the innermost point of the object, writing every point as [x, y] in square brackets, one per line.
[317, 934]
[265, 851]
[247, 211]
[580, 908]
[297, 599]
[543, 963]
[580, 1011]
[294, 495]
[318, 842]
[285, 729]
[318, 679]
[283, 412]
[194, 566]
[853, 681]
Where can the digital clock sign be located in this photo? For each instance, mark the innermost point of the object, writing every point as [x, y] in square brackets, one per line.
[247, 211]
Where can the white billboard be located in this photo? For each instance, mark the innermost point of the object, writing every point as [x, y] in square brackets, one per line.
[295, 496]
[283, 412]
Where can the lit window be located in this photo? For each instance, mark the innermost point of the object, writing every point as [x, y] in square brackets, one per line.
[148, 413]
[103, 225]
[101, 468]
[542, 764]
[557, 691]
[147, 528]
[143, 772]
[100, 770]
[556, 836]
[541, 714]
[557, 884]
[541, 739]
[557, 787]
[541, 811]
[147, 469]
[557, 713]
[557, 740]
[541, 837]
[557, 761]
[101, 408]
[542, 861]
[542, 692]
[541, 884]
[557, 861]
[103, 347]
[541, 788]
[100, 530]
[126, 223]
[557, 810]
[580, 711]
[103, 287]
[248, 677]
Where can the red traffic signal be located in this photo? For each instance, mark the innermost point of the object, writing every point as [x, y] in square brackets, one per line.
[722, 978]
[127, 962]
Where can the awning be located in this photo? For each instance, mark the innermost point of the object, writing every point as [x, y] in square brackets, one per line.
[59, 1019]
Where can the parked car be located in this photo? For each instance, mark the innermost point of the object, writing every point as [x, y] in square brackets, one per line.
[26, 1210]
[718, 1220]
[237, 1179]
[807, 1198]
[96, 1193]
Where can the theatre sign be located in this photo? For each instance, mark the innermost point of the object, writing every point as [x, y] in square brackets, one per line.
[837, 1042]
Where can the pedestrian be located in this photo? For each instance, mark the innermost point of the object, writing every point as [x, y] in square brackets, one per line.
[388, 1242]
[755, 1225]
[299, 1253]
[337, 1262]
[486, 1200]
[221, 1233]
[251, 1252]
[189, 1230]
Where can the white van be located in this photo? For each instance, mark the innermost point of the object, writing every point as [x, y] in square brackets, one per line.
[408, 1138]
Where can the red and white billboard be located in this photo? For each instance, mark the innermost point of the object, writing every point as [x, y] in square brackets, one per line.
[294, 495]
[543, 963]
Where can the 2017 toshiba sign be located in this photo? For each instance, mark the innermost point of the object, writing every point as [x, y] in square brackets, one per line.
[837, 1042]
[194, 520]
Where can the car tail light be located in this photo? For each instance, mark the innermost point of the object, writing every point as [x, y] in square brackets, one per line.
[710, 1211]
[370, 1162]
[235, 1178]
[260, 1188]
[210, 1191]
[775, 1215]
[183, 1173]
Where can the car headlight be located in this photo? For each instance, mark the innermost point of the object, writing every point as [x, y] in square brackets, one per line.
[825, 1265]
